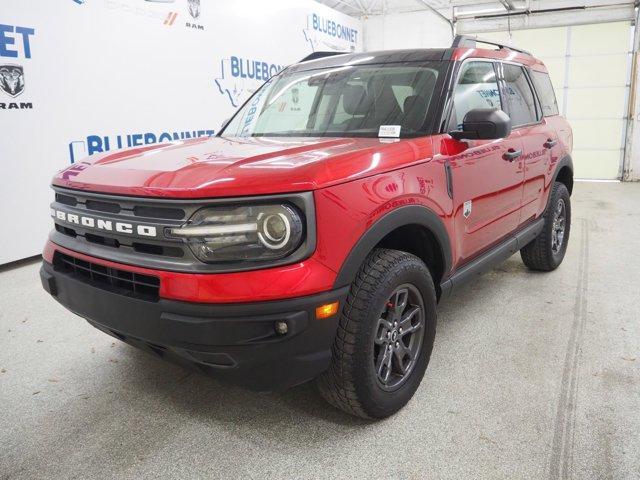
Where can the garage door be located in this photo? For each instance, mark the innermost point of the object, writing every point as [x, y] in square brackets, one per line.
[590, 66]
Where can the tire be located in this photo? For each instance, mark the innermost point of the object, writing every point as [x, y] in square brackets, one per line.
[360, 356]
[546, 252]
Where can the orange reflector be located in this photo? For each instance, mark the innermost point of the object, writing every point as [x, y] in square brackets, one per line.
[327, 310]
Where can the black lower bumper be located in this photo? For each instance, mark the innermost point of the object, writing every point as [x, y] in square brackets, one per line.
[235, 342]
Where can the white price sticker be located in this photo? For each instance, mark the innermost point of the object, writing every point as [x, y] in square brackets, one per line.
[389, 131]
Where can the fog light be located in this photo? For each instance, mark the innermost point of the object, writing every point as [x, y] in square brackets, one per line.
[281, 327]
[327, 310]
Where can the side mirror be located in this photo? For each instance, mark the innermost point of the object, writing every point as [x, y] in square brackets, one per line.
[484, 124]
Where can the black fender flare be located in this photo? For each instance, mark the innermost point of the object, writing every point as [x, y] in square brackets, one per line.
[566, 161]
[400, 217]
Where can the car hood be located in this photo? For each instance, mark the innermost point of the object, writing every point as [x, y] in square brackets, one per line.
[214, 167]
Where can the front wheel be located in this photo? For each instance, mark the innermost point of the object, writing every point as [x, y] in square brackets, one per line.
[547, 251]
[385, 336]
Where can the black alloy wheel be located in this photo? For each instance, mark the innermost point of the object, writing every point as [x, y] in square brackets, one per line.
[398, 339]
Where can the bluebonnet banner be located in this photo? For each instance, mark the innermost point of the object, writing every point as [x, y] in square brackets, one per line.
[81, 77]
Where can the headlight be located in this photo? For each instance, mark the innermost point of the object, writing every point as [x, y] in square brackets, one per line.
[243, 233]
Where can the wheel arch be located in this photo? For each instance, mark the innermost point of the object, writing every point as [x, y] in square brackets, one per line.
[564, 173]
[413, 229]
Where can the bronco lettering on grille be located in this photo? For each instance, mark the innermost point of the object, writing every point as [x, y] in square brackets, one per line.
[107, 225]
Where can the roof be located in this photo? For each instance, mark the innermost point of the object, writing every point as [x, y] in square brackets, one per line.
[363, 58]
[334, 59]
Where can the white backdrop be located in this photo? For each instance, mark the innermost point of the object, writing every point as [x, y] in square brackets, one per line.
[81, 76]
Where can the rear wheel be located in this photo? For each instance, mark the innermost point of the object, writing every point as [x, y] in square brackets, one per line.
[385, 336]
[547, 251]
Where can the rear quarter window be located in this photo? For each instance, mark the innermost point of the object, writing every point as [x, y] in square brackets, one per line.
[547, 96]
[519, 96]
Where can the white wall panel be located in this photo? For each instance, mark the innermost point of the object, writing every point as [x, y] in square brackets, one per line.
[588, 70]
[598, 164]
[596, 103]
[104, 73]
[600, 38]
[420, 29]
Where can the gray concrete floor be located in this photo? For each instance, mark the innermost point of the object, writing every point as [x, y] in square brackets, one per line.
[533, 376]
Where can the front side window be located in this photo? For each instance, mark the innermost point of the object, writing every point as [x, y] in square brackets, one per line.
[477, 87]
[519, 97]
[352, 100]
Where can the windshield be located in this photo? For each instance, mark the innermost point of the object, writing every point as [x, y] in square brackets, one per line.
[342, 101]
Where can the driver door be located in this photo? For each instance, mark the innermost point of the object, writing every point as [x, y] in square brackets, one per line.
[487, 175]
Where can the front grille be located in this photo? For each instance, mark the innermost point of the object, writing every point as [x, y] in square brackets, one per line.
[158, 213]
[99, 206]
[146, 248]
[66, 199]
[145, 287]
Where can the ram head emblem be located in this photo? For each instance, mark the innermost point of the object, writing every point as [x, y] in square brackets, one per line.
[194, 8]
[12, 79]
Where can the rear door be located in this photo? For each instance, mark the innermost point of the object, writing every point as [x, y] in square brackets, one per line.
[538, 138]
[487, 175]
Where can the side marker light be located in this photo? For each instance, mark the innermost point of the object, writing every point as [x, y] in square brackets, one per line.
[327, 310]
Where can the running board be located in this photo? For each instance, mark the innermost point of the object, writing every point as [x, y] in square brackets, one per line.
[490, 259]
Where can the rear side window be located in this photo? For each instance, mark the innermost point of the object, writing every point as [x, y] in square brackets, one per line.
[519, 97]
[547, 96]
[477, 87]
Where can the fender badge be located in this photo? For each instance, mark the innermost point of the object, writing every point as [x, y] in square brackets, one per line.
[466, 209]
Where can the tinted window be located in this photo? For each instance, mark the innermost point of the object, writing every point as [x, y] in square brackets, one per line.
[547, 96]
[519, 96]
[477, 87]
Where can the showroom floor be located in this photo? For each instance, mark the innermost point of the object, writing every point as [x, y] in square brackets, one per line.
[532, 376]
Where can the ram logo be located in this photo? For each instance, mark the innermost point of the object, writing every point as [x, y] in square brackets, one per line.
[194, 8]
[12, 79]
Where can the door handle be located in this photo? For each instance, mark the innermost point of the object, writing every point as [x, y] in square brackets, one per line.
[512, 154]
[550, 143]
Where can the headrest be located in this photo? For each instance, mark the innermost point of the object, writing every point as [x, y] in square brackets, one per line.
[477, 75]
[513, 74]
[355, 100]
[415, 111]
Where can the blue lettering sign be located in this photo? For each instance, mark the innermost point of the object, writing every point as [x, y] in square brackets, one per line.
[99, 144]
[94, 144]
[253, 69]
[7, 39]
[333, 29]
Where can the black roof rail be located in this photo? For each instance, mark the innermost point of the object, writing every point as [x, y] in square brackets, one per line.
[467, 41]
[316, 55]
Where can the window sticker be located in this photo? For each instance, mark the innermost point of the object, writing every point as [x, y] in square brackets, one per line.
[389, 131]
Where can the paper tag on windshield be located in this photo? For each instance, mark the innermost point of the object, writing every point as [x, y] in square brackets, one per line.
[389, 131]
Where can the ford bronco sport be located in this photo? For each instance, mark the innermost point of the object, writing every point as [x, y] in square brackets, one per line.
[314, 235]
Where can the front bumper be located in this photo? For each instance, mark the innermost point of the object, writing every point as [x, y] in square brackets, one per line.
[234, 342]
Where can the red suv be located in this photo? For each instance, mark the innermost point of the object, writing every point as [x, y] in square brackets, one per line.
[314, 236]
